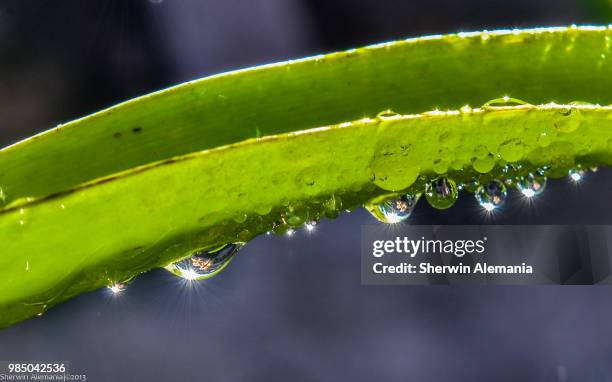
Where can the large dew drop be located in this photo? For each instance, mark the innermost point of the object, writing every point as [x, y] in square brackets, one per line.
[531, 185]
[394, 210]
[441, 193]
[492, 195]
[204, 264]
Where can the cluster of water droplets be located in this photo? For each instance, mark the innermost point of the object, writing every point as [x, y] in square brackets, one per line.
[439, 189]
[206, 263]
[442, 192]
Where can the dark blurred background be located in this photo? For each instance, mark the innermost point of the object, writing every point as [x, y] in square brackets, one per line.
[290, 308]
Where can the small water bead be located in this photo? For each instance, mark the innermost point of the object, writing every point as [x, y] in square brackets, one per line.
[117, 287]
[440, 166]
[576, 174]
[505, 101]
[394, 210]
[531, 185]
[311, 225]
[441, 193]
[205, 263]
[279, 227]
[491, 196]
[295, 215]
[511, 150]
[332, 206]
[481, 151]
[484, 165]
[568, 119]
[544, 139]
[387, 114]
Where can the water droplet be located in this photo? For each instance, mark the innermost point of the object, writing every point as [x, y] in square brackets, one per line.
[576, 174]
[531, 185]
[279, 227]
[504, 102]
[544, 139]
[394, 171]
[205, 263]
[492, 195]
[485, 164]
[511, 150]
[481, 151]
[394, 210]
[441, 193]
[387, 114]
[311, 225]
[307, 176]
[117, 287]
[568, 119]
[332, 206]
[240, 217]
[440, 166]
[295, 216]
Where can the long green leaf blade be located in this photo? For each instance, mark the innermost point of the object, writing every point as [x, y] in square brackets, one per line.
[181, 176]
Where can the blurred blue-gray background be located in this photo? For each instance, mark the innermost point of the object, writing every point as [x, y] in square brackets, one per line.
[290, 309]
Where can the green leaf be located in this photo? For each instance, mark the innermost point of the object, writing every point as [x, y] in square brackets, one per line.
[137, 186]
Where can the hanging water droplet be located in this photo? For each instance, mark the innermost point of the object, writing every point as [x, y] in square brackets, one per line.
[576, 174]
[441, 193]
[295, 215]
[492, 195]
[117, 287]
[394, 210]
[279, 227]
[311, 225]
[206, 263]
[531, 185]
